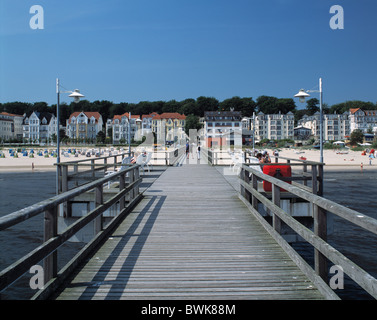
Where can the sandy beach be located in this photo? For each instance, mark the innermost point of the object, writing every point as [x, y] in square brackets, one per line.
[38, 163]
[333, 161]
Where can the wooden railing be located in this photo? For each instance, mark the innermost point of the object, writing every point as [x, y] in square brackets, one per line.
[249, 178]
[83, 171]
[127, 197]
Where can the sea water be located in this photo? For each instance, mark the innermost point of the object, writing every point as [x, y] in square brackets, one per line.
[353, 189]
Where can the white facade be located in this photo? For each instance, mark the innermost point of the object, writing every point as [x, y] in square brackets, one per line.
[273, 126]
[121, 124]
[363, 120]
[84, 125]
[335, 126]
[222, 128]
[39, 127]
[10, 126]
[169, 127]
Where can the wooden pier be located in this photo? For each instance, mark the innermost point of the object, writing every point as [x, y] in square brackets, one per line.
[191, 234]
[190, 238]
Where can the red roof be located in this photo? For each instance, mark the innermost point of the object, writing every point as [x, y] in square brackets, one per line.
[10, 114]
[353, 110]
[127, 115]
[96, 115]
[170, 115]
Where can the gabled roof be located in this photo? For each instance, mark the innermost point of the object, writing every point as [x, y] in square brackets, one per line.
[354, 110]
[10, 114]
[169, 115]
[151, 115]
[90, 114]
[40, 115]
[127, 115]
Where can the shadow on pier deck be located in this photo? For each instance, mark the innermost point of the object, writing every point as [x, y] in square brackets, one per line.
[190, 237]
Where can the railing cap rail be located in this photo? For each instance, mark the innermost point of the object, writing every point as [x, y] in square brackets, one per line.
[35, 209]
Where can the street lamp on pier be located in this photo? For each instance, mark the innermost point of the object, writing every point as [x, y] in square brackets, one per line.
[76, 95]
[302, 94]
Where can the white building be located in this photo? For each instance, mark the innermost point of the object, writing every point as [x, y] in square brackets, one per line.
[39, 127]
[222, 128]
[120, 125]
[335, 126]
[84, 125]
[10, 126]
[363, 119]
[169, 127]
[273, 126]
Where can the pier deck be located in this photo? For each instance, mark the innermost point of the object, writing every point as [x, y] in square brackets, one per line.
[190, 237]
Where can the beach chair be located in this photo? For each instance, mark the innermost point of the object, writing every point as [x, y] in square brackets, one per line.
[147, 160]
[141, 160]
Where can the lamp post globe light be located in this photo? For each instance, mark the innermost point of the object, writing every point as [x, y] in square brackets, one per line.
[302, 95]
[76, 95]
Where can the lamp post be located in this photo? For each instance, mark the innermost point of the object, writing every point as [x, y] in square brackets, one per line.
[76, 95]
[253, 133]
[302, 94]
[129, 134]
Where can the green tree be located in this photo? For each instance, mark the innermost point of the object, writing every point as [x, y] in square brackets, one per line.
[357, 136]
[312, 106]
[246, 105]
[273, 105]
[192, 122]
[101, 136]
[207, 104]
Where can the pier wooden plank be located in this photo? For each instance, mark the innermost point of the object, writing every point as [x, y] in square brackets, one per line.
[190, 238]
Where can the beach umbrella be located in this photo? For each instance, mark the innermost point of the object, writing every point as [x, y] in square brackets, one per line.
[365, 144]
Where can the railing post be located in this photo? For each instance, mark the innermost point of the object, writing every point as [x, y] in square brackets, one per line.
[305, 170]
[320, 180]
[59, 173]
[276, 222]
[122, 185]
[64, 188]
[320, 229]
[320, 223]
[50, 263]
[98, 222]
[254, 200]
[92, 166]
[105, 165]
[75, 171]
[314, 180]
[246, 178]
[137, 176]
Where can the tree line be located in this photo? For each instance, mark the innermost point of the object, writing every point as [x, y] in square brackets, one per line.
[196, 107]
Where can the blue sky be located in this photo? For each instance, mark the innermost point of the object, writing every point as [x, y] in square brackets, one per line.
[131, 51]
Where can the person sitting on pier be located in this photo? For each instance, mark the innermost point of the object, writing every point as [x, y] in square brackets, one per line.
[266, 158]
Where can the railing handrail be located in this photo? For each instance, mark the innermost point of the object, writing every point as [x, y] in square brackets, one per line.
[52, 240]
[40, 207]
[360, 276]
[350, 215]
[70, 163]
